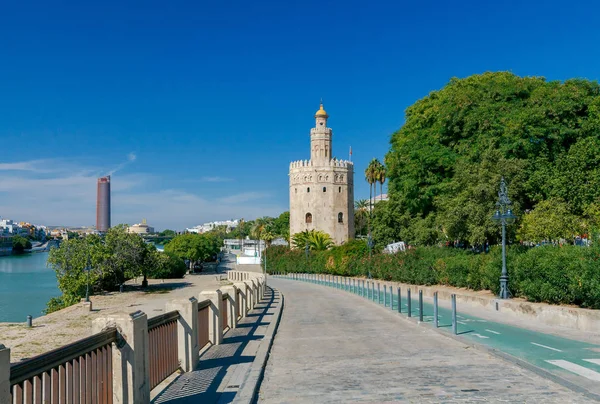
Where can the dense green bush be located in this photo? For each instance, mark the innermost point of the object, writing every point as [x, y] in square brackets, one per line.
[557, 275]
[20, 244]
[168, 266]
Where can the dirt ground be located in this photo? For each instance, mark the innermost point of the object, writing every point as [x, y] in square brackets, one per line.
[73, 323]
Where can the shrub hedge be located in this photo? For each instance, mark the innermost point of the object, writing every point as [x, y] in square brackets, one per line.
[557, 275]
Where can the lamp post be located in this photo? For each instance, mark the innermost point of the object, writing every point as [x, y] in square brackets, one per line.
[503, 216]
[265, 259]
[370, 245]
[306, 248]
[88, 267]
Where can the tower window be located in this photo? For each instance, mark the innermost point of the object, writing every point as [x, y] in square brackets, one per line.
[296, 189]
[324, 189]
[340, 217]
[308, 218]
[340, 189]
[308, 189]
[321, 123]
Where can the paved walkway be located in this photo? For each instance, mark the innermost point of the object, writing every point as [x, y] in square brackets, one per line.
[333, 346]
[223, 368]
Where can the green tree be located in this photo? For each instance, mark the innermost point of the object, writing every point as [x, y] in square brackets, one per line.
[20, 244]
[361, 207]
[167, 266]
[167, 233]
[372, 176]
[381, 176]
[550, 221]
[445, 163]
[194, 247]
[315, 239]
[320, 241]
[281, 226]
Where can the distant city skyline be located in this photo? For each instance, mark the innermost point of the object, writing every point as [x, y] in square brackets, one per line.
[195, 110]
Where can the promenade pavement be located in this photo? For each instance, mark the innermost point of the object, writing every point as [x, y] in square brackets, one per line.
[333, 346]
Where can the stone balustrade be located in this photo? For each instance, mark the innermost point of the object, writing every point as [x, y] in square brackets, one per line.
[131, 362]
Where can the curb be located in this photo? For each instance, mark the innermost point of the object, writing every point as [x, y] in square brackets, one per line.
[248, 391]
[482, 348]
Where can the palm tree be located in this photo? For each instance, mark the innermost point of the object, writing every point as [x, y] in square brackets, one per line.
[261, 226]
[370, 177]
[268, 236]
[299, 240]
[381, 178]
[360, 212]
[315, 239]
[320, 241]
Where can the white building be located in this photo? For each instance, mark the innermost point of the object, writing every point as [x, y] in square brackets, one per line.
[8, 226]
[203, 228]
[141, 228]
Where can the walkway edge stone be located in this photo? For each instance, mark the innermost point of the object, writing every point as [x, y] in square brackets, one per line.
[248, 391]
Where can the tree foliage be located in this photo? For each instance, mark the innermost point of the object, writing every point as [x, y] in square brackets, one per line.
[445, 163]
[550, 221]
[194, 247]
[113, 259]
[567, 275]
[316, 240]
[20, 244]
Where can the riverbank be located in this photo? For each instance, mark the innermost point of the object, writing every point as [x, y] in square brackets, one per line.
[73, 323]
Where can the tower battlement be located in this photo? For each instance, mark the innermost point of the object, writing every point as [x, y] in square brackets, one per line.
[330, 163]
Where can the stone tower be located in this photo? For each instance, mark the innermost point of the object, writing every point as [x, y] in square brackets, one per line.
[322, 188]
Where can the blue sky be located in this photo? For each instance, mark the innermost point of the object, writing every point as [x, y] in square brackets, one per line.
[197, 108]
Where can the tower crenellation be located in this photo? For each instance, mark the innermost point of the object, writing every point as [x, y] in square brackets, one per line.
[322, 188]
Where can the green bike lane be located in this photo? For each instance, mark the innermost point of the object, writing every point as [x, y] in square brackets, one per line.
[575, 361]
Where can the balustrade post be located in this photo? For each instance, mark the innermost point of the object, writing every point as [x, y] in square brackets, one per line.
[215, 325]
[249, 296]
[130, 356]
[242, 305]
[4, 374]
[187, 331]
[232, 305]
[254, 286]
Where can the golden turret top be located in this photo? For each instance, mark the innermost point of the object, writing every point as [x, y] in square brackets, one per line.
[321, 112]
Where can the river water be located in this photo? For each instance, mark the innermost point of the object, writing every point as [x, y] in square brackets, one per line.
[26, 285]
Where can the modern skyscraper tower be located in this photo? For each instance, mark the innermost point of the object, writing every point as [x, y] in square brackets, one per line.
[103, 204]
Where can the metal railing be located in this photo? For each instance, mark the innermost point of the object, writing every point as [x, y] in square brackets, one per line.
[78, 372]
[203, 330]
[223, 308]
[162, 347]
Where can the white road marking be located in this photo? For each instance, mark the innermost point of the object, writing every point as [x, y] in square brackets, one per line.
[459, 316]
[493, 332]
[547, 347]
[481, 336]
[460, 322]
[594, 361]
[574, 368]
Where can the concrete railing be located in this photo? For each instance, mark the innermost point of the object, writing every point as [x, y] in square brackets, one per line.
[137, 353]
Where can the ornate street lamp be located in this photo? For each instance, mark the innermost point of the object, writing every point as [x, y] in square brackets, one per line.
[503, 216]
